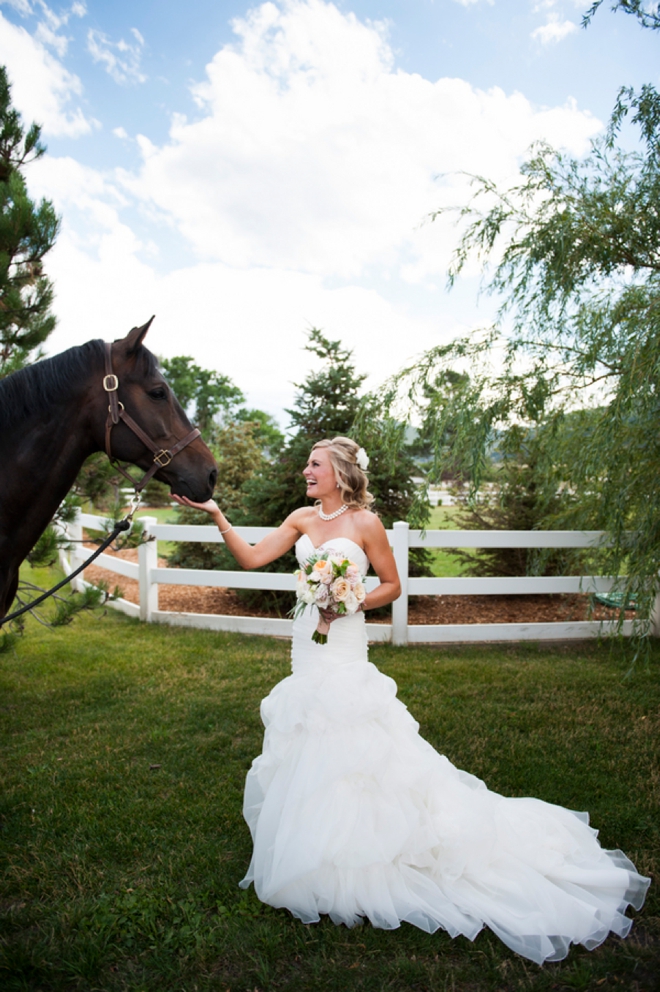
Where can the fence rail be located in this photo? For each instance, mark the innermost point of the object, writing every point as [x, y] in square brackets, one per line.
[150, 576]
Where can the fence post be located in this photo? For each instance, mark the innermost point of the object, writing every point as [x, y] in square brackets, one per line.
[77, 555]
[147, 559]
[655, 617]
[401, 532]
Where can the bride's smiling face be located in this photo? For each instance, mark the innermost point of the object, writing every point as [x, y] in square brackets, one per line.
[320, 475]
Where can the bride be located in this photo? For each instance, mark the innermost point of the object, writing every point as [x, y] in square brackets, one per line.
[353, 814]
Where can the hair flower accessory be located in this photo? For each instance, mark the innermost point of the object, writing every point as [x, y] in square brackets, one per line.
[362, 459]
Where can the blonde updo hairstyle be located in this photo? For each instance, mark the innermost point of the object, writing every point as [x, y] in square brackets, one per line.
[352, 480]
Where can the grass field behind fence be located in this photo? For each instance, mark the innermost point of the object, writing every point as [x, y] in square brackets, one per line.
[125, 748]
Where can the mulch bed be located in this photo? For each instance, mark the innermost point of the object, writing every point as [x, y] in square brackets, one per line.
[547, 608]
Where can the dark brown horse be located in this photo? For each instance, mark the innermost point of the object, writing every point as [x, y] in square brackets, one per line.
[53, 415]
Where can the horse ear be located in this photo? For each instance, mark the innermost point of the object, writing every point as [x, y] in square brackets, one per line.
[136, 336]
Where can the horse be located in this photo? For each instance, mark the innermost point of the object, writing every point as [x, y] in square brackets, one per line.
[57, 412]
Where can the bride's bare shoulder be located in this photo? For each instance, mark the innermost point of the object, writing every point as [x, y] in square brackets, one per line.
[370, 523]
[302, 517]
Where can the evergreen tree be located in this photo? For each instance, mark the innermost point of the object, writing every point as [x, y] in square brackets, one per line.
[325, 405]
[239, 456]
[328, 403]
[207, 395]
[27, 233]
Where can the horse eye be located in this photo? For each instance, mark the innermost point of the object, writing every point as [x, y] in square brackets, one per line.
[158, 394]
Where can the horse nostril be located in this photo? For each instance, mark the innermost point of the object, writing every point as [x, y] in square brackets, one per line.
[213, 478]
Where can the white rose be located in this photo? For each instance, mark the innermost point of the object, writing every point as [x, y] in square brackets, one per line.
[351, 603]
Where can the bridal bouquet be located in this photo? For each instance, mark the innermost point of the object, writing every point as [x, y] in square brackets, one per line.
[332, 583]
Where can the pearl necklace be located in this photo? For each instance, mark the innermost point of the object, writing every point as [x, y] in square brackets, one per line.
[331, 516]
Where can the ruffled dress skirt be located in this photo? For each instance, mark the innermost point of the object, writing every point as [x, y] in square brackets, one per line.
[354, 815]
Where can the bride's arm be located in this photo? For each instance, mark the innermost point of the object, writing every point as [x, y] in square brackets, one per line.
[380, 555]
[249, 555]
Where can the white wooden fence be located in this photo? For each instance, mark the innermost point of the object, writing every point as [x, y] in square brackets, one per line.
[150, 576]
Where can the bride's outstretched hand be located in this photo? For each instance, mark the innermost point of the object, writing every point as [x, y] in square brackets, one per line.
[209, 506]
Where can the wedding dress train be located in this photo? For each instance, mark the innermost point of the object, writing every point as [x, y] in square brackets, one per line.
[353, 814]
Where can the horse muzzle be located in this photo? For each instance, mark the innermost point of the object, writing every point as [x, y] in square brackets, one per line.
[196, 489]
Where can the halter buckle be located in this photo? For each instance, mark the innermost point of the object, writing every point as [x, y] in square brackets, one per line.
[110, 383]
[163, 457]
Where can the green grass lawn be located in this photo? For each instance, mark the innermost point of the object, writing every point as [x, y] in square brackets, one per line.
[443, 564]
[125, 748]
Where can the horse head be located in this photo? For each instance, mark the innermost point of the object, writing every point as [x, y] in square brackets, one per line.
[146, 397]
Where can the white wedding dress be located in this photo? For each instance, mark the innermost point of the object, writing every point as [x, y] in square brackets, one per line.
[353, 814]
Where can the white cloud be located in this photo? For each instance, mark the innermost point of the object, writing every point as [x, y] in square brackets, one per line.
[42, 88]
[47, 29]
[25, 8]
[120, 132]
[47, 36]
[554, 31]
[22, 6]
[306, 160]
[250, 323]
[301, 187]
[51, 23]
[121, 58]
[547, 5]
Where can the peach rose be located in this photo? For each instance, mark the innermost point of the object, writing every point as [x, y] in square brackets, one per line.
[340, 589]
[321, 572]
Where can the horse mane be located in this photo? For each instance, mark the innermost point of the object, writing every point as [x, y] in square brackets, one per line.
[34, 390]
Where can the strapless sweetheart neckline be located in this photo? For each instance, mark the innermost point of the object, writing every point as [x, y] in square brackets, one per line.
[317, 547]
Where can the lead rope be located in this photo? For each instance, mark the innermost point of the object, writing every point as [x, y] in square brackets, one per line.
[120, 526]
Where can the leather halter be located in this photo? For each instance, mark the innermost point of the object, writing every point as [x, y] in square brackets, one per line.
[116, 412]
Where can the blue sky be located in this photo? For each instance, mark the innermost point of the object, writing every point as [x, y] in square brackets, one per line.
[246, 171]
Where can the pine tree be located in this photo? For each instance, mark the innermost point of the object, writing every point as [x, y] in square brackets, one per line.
[328, 404]
[209, 396]
[239, 456]
[325, 405]
[27, 233]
